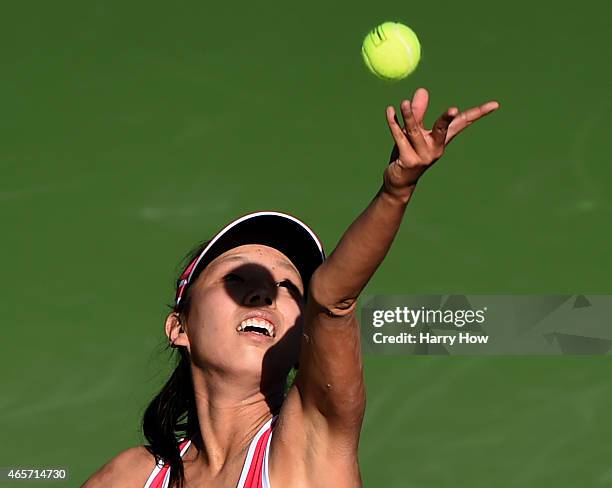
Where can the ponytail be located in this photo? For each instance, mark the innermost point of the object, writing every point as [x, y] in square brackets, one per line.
[172, 414]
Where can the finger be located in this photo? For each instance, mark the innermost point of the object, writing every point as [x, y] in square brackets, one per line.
[440, 128]
[420, 99]
[468, 117]
[398, 134]
[413, 131]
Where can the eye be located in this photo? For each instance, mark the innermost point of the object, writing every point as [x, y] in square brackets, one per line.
[232, 277]
[290, 285]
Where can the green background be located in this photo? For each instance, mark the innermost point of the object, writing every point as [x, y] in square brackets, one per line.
[132, 130]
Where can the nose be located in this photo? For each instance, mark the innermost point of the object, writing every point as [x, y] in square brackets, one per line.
[259, 295]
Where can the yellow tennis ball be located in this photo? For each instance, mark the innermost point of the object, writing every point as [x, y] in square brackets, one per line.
[391, 51]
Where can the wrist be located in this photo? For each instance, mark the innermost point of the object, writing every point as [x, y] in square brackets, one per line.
[397, 196]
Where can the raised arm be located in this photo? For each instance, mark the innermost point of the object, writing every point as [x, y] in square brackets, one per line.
[330, 380]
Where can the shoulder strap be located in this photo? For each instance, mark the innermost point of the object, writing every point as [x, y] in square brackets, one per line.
[265, 475]
[253, 469]
[160, 476]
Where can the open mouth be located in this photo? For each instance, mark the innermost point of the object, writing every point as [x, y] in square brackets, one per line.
[256, 325]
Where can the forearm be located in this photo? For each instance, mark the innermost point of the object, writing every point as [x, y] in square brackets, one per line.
[341, 278]
[331, 369]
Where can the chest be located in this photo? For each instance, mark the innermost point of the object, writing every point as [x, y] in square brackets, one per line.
[237, 472]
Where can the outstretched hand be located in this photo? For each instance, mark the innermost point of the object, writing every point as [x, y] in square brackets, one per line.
[417, 148]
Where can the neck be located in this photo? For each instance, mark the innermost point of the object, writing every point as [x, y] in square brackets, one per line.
[230, 412]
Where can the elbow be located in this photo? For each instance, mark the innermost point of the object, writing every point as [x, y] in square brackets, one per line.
[327, 299]
[342, 308]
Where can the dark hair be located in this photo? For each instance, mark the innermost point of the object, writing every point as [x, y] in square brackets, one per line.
[172, 413]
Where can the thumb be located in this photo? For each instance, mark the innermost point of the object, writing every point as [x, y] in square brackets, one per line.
[394, 154]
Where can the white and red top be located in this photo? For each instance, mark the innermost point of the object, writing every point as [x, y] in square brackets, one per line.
[254, 472]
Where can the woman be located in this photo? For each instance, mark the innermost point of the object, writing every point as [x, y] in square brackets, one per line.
[257, 299]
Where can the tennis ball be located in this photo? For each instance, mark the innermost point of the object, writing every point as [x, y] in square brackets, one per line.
[391, 51]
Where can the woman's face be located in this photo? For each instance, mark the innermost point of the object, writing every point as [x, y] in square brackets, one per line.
[250, 286]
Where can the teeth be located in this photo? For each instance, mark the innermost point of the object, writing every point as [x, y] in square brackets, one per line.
[255, 322]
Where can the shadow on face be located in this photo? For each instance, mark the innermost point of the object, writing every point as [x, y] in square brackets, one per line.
[253, 287]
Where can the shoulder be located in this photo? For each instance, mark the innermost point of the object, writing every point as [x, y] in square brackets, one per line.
[129, 468]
